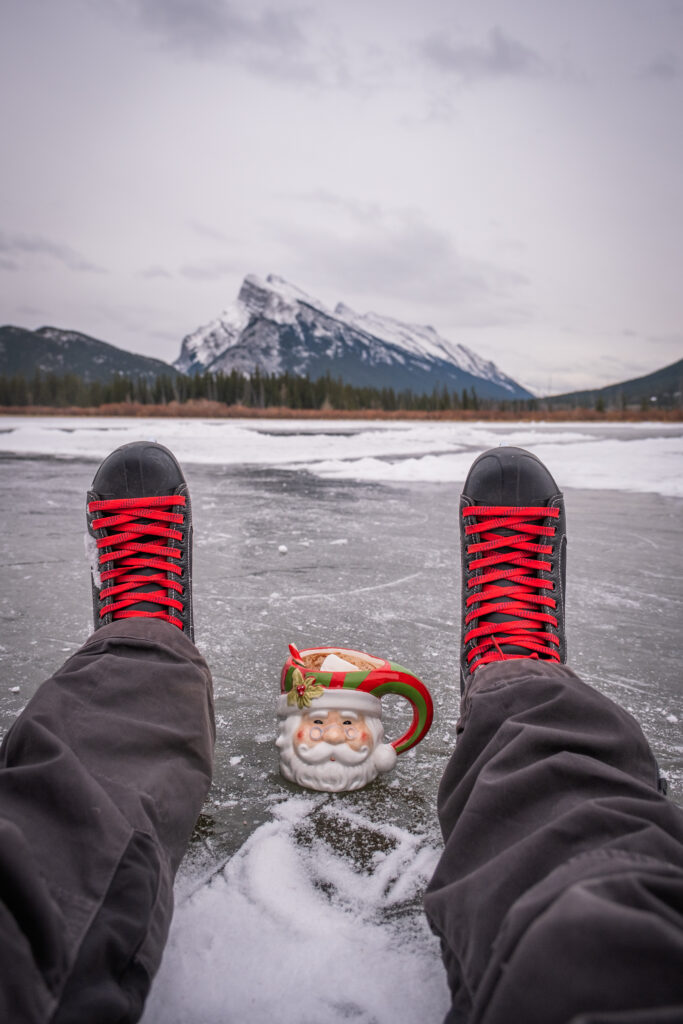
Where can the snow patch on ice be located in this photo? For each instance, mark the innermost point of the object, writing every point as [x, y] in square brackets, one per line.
[292, 931]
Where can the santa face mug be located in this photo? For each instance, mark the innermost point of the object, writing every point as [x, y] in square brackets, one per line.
[330, 734]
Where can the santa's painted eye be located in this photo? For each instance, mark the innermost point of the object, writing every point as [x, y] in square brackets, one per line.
[317, 721]
[347, 721]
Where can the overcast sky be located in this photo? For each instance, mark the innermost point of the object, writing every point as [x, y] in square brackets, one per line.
[509, 171]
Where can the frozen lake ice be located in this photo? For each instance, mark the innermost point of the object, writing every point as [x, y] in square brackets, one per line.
[275, 877]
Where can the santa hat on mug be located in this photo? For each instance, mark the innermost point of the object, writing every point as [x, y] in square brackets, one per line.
[341, 678]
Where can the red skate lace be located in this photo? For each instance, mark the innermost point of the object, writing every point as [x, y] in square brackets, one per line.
[523, 597]
[122, 551]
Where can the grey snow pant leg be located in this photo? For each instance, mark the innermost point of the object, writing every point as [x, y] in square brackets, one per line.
[102, 778]
[559, 895]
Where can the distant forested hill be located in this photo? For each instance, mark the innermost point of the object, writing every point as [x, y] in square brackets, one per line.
[665, 386]
[50, 350]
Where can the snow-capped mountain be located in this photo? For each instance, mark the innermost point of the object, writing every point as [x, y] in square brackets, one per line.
[278, 328]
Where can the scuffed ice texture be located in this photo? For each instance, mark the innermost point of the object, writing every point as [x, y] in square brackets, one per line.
[301, 908]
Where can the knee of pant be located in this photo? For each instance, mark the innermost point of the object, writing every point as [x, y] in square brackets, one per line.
[602, 945]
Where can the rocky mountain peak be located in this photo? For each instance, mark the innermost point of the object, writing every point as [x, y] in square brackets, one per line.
[274, 298]
[277, 327]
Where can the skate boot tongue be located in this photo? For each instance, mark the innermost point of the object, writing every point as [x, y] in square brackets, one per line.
[510, 603]
[140, 542]
[503, 646]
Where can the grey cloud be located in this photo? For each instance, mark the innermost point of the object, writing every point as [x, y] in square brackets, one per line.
[207, 270]
[210, 232]
[669, 347]
[15, 246]
[32, 310]
[617, 364]
[361, 211]
[663, 68]
[439, 110]
[193, 25]
[200, 25]
[155, 272]
[171, 336]
[270, 42]
[397, 253]
[500, 56]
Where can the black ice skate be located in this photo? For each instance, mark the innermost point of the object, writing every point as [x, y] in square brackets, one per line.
[513, 544]
[139, 517]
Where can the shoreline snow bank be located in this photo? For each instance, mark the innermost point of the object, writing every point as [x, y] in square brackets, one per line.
[613, 456]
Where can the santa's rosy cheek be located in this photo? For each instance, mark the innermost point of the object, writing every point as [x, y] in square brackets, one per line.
[300, 734]
[363, 737]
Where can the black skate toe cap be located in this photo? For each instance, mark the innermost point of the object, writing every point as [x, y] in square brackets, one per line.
[136, 470]
[509, 476]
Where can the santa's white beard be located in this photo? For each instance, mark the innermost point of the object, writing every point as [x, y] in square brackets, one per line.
[330, 776]
[311, 766]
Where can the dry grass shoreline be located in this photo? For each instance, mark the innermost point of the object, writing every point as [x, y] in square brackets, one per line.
[205, 409]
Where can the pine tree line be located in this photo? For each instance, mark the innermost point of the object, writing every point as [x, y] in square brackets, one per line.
[255, 391]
